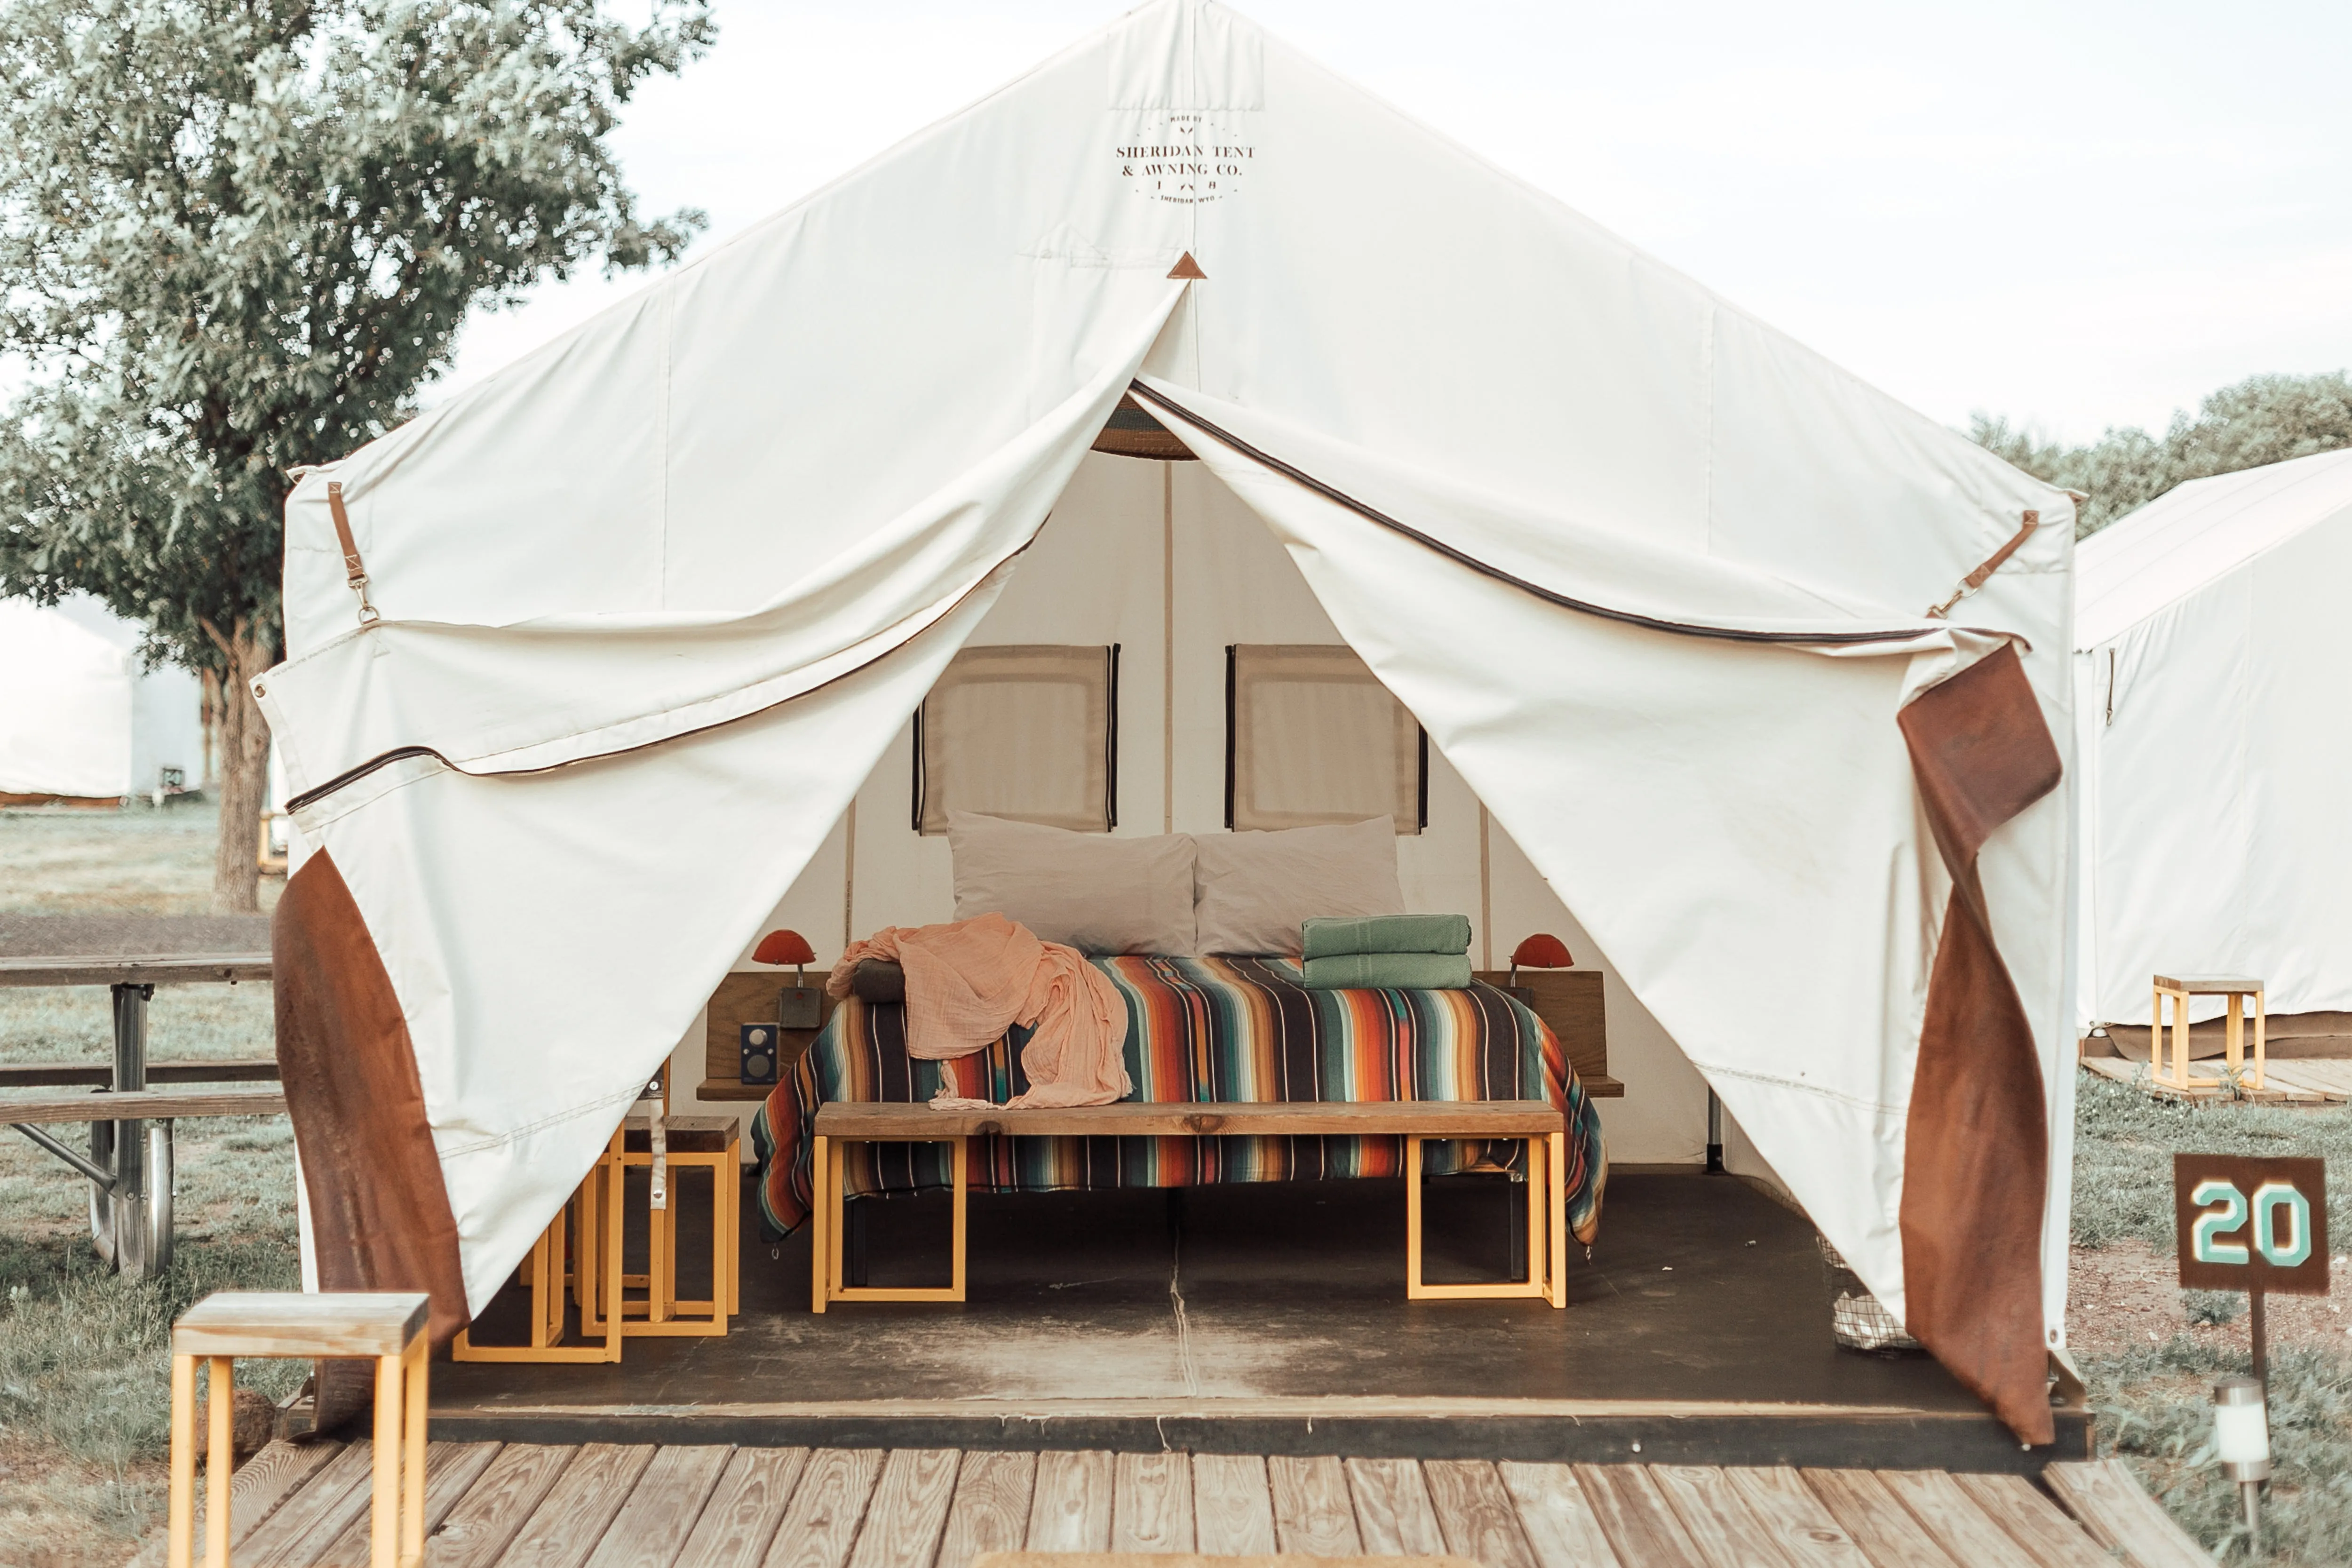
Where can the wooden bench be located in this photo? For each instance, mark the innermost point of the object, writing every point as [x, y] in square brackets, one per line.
[1533, 1123]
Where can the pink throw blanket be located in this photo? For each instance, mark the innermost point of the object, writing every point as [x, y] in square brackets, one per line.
[968, 981]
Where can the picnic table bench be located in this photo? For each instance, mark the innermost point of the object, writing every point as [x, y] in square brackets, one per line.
[1537, 1123]
[130, 1143]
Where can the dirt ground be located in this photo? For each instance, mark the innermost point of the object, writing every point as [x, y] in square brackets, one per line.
[2126, 1294]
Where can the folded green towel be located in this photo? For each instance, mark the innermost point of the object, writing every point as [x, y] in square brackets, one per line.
[1329, 938]
[1388, 972]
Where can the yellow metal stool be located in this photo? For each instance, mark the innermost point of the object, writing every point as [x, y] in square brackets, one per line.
[2180, 988]
[386, 1327]
[586, 1258]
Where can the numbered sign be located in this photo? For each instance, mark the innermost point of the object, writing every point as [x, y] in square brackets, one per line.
[2248, 1224]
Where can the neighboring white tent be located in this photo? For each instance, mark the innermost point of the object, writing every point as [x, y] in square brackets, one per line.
[80, 717]
[655, 599]
[2210, 705]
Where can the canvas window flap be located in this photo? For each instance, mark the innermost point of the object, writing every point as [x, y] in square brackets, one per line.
[1318, 739]
[1020, 731]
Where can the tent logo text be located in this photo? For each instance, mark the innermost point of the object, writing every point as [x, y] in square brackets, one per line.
[1186, 159]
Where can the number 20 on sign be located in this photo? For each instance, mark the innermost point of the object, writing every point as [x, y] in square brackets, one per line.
[2248, 1224]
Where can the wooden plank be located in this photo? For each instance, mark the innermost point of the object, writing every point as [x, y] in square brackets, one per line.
[1885, 1530]
[1727, 1535]
[1808, 1534]
[2034, 1522]
[1393, 1515]
[160, 969]
[1151, 1503]
[821, 1525]
[909, 1510]
[1474, 1514]
[1232, 1505]
[337, 1493]
[1313, 1514]
[1464, 1118]
[2120, 1516]
[449, 1470]
[1561, 1527]
[663, 1506]
[1635, 1516]
[1954, 1520]
[262, 1483]
[476, 1533]
[991, 1511]
[571, 1518]
[98, 1074]
[1069, 1509]
[143, 1106]
[744, 1508]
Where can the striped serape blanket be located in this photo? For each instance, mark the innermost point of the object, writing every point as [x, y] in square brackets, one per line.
[1199, 1030]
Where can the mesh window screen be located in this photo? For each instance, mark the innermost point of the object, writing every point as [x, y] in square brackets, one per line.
[1311, 737]
[1028, 732]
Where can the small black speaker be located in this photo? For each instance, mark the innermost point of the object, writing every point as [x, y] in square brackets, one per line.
[758, 1044]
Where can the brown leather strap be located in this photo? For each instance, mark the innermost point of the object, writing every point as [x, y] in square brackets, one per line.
[1993, 564]
[354, 571]
[355, 574]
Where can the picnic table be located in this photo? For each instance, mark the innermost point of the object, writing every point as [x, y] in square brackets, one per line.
[129, 1163]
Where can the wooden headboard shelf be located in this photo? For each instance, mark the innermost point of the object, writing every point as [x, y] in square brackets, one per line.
[1570, 1000]
[749, 998]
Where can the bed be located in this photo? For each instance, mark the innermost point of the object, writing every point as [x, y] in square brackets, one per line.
[1199, 1030]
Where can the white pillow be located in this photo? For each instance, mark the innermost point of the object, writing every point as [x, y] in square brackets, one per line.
[1093, 892]
[1255, 887]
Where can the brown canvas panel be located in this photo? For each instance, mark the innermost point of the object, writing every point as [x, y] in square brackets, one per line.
[380, 1217]
[1977, 1157]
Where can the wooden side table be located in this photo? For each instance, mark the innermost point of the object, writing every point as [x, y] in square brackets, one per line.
[714, 1143]
[591, 1266]
[2180, 988]
[386, 1327]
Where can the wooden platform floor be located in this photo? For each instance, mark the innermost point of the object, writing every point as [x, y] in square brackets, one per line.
[1273, 1319]
[2291, 1080]
[621, 1506]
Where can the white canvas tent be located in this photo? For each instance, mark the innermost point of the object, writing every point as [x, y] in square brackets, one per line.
[655, 600]
[81, 718]
[2209, 692]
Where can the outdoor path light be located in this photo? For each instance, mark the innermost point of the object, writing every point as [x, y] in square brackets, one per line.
[2242, 1436]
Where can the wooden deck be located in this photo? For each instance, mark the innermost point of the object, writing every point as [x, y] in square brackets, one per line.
[2292, 1080]
[616, 1506]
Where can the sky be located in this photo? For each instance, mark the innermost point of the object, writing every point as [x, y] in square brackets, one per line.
[2078, 216]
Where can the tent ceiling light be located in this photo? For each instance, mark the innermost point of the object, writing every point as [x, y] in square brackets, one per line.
[1134, 433]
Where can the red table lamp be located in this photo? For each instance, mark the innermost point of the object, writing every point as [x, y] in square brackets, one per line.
[791, 947]
[1541, 951]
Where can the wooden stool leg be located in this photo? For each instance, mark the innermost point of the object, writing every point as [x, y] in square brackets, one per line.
[734, 1236]
[820, 1206]
[2234, 1034]
[1556, 1201]
[181, 1530]
[962, 1187]
[383, 1500]
[2261, 1017]
[1539, 1209]
[1412, 1217]
[412, 1456]
[220, 1463]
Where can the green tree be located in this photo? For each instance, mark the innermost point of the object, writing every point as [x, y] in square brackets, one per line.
[2261, 420]
[236, 237]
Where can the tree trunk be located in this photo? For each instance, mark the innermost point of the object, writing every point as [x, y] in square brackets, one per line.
[244, 775]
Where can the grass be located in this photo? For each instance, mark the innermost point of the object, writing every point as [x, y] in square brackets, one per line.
[84, 1359]
[71, 861]
[2153, 1403]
